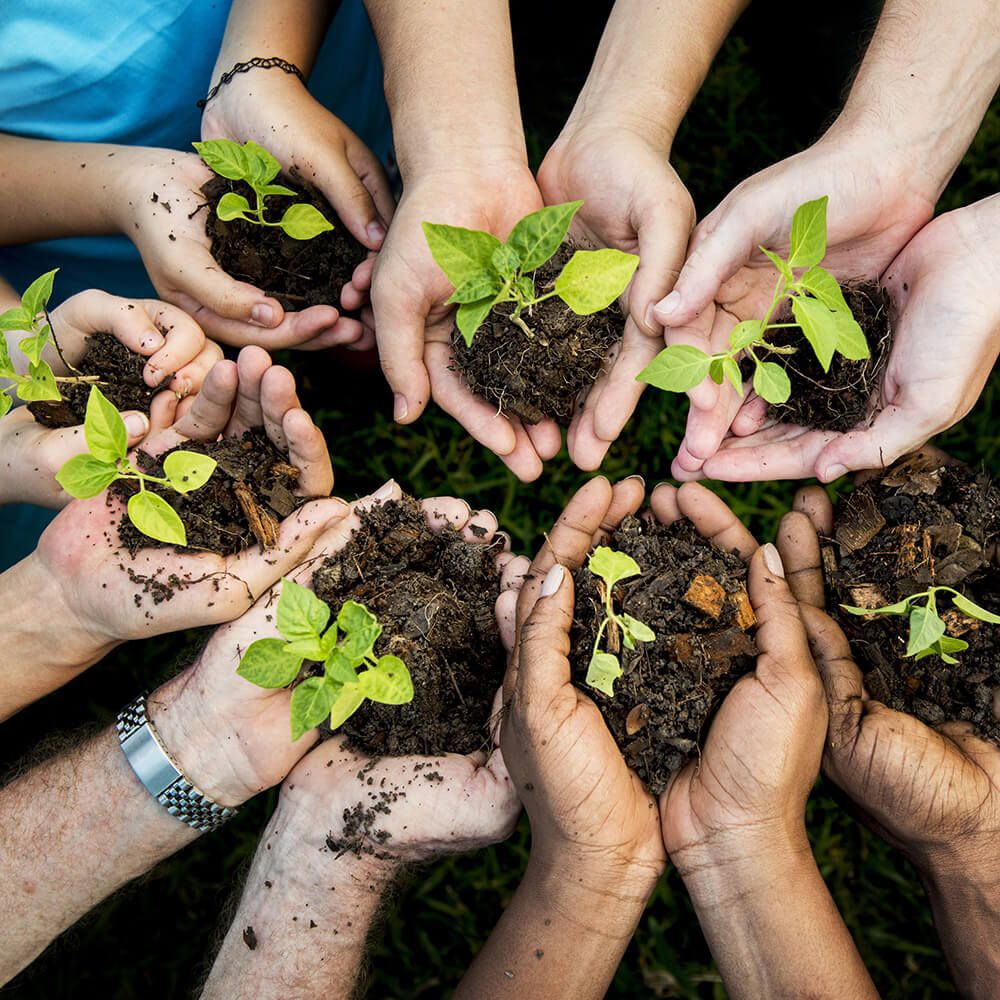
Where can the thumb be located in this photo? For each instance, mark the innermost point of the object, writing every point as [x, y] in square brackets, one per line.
[663, 239]
[61, 445]
[400, 327]
[543, 644]
[353, 202]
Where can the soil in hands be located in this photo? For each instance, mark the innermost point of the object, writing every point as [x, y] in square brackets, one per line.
[119, 376]
[298, 273]
[841, 399]
[692, 594]
[434, 596]
[247, 496]
[541, 376]
[920, 525]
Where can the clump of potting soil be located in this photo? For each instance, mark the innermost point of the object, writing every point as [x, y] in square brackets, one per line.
[692, 594]
[248, 494]
[434, 595]
[532, 378]
[920, 525]
[298, 273]
[119, 370]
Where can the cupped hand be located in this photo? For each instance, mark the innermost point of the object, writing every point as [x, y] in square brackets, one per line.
[414, 326]
[633, 201]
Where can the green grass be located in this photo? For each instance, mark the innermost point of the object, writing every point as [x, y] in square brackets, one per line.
[154, 937]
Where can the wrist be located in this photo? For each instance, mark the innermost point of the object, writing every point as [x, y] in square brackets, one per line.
[653, 117]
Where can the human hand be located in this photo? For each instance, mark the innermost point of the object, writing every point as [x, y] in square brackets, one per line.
[633, 201]
[944, 279]
[413, 324]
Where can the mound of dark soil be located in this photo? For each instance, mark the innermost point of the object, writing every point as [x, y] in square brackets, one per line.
[434, 596]
[298, 273]
[540, 376]
[692, 595]
[120, 379]
[248, 494]
[920, 525]
[840, 399]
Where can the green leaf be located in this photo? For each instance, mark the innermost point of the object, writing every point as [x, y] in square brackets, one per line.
[639, 631]
[460, 253]
[15, 319]
[482, 285]
[732, 372]
[946, 644]
[823, 285]
[602, 672]
[269, 189]
[593, 279]
[5, 403]
[225, 157]
[389, 682]
[309, 649]
[973, 610]
[505, 261]
[716, 371]
[104, 428]
[539, 235]
[261, 165]
[267, 664]
[84, 476]
[771, 382]
[612, 566]
[301, 614]
[360, 628]
[311, 704]
[745, 333]
[303, 222]
[851, 341]
[899, 608]
[470, 316]
[676, 369]
[42, 384]
[808, 233]
[233, 206]
[32, 347]
[819, 326]
[339, 667]
[348, 702]
[154, 517]
[526, 288]
[786, 272]
[187, 470]
[925, 627]
[37, 294]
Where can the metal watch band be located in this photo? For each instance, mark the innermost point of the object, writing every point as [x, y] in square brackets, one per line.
[160, 776]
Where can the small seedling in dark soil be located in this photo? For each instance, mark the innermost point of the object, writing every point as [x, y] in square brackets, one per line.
[927, 629]
[611, 567]
[344, 647]
[818, 306]
[258, 168]
[30, 316]
[486, 272]
[91, 473]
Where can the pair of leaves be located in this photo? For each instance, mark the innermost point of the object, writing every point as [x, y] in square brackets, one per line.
[34, 300]
[829, 332]
[301, 221]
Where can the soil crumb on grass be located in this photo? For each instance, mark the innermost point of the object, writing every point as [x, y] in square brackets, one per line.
[840, 399]
[120, 371]
[917, 526]
[249, 493]
[540, 376]
[298, 273]
[434, 596]
[671, 686]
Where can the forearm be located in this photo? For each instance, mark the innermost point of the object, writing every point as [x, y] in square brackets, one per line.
[449, 81]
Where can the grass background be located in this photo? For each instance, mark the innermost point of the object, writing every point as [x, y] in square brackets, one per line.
[768, 95]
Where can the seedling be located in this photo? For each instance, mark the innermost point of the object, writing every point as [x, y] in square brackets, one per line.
[927, 629]
[818, 306]
[486, 272]
[86, 475]
[256, 166]
[30, 316]
[344, 647]
[611, 567]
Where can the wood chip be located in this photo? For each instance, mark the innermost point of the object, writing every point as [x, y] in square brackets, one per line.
[829, 562]
[956, 623]
[906, 560]
[725, 645]
[706, 594]
[745, 618]
[262, 524]
[681, 647]
[284, 469]
[637, 719]
[862, 521]
[867, 595]
[920, 464]
[946, 536]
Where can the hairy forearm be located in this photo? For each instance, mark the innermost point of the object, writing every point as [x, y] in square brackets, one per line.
[449, 81]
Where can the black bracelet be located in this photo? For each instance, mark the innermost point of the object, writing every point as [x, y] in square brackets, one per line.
[270, 62]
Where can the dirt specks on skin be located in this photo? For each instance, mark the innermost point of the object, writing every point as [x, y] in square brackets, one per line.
[671, 686]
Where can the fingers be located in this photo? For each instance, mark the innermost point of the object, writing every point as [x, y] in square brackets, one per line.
[251, 365]
[511, 578]
[211, 408]
[183, 342]
[545, 438]
[778, 452]
[523, 461]
[841, 677]
[543, 664]
[663, 238]
[814, 502]
[308, 452]
[896, 430]
[94, 311]
[338, 179]
[714, 520]
[798, 546]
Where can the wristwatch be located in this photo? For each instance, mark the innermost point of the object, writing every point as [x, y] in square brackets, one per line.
[161, 776]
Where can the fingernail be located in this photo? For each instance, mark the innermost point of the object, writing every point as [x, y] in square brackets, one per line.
[650, 318]
[152, 374]
[553, 580]
[636, 475]
[773, 561]
[385, 491]
[376, 231]
[399, 407]
[834, 472]
[136, 424]
[666, 306]
[262, 314]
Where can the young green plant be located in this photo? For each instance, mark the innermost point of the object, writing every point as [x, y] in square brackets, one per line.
[486, 272]
[343, 648]
[612, 567]
[91, 473]
[927, 628]
[819, 309]
[30, 316]
[256, 166]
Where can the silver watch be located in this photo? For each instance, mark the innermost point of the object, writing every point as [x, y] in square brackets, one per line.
[161, 776]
